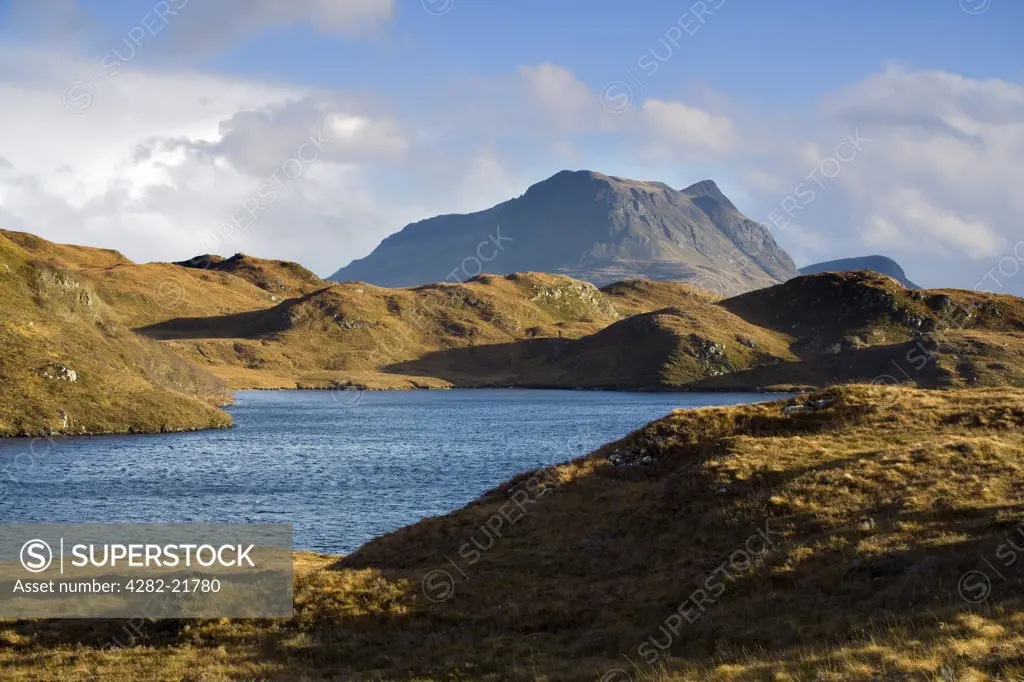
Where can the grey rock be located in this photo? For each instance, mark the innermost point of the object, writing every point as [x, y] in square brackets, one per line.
[810, 406]
[56, 372]
[593, 227]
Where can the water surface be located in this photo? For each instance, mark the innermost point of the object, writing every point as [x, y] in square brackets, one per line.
[342, 467]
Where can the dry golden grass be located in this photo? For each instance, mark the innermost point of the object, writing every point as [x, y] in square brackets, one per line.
[280, 277]
[259, 323]
[255, 323]
[54, 319]
[875, 505]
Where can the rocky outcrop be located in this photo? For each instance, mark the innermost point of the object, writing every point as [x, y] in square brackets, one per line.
[59, 373]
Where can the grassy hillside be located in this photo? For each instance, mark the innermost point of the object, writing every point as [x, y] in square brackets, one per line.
[67, 365]
[280, 277]
[855, 537]
[670, 347]
[358, 334]
[867, 327]
[256, 323]
[812, 331]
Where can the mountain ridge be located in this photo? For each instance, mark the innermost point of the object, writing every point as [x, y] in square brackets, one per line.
[589, 226]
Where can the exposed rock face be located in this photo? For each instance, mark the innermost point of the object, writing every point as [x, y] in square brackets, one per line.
[710, 354]
[592, 227]
[879, 264]
[59, 373]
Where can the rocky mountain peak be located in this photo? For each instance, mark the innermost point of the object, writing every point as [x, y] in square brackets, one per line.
[591, 226]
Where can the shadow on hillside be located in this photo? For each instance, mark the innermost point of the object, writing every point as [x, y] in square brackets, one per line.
[543, 363]
[534, 362]
[601, 563]
[898, 364]
[248, 325]
[595, 569]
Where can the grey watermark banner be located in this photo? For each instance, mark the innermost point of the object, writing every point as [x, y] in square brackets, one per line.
[145, 571]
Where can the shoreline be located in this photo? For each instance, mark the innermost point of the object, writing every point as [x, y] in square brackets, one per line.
[54, 435]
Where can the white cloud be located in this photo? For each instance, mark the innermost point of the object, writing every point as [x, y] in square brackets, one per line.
[567, 104]
[331, 127]
[945, 172]
[164, 159]
[215, 24]
[937, 188]
[912, 222]
[676, 127]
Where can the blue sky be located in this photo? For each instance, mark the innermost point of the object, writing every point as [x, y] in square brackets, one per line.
[771, 53]
[454, 105]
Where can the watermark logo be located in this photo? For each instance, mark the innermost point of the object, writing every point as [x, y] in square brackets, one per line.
[438, 586]
[616, 675]
[742, 561]
[974, 587]
[79, 97]
[975, 6]
[36, 556]
[152, 570]
[246, 214]
[616, 97]
[438, 8]
[169, 294]
[827, 169]
[472, 266]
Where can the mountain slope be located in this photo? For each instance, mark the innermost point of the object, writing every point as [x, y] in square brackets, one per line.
[811, 331]
[589, 226]
[346, 334]
[220, 316]
[879, 264]
[67, 363]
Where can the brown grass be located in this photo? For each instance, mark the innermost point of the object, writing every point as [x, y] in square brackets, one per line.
[255, 323]
[876, 506]
[124, 383]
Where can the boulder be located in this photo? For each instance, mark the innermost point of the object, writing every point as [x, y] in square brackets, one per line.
[57, 372]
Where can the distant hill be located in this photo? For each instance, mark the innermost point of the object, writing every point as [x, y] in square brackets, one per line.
[275, 276]
[92, 342]
[879, 264]
[592, 227]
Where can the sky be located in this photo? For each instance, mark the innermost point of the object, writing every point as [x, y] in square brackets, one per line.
[309, 130]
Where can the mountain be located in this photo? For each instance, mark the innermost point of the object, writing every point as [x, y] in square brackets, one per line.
[879, 264]
[592, 227]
